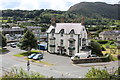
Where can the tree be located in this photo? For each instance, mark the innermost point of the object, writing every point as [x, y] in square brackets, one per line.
[96, 48]
[9, 20]
[28, 41]
[3, 42]
[97, 73]
[43, 29]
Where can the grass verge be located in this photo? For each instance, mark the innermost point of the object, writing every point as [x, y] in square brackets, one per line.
[2, 50]
[38, 61]
[32, 51]
[26, 53]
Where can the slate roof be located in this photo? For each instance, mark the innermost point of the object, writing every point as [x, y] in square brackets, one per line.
[50, 29]
[77, 27]
[33, 27]
[114, 32]
[13, 29]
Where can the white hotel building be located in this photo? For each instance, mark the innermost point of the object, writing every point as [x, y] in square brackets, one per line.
[67, 38]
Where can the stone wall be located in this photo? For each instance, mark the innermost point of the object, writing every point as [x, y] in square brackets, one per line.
[91, 60]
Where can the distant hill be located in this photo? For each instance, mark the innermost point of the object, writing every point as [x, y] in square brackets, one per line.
[96, 9]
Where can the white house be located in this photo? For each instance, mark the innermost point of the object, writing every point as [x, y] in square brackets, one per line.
[67, 38]
[118, 41]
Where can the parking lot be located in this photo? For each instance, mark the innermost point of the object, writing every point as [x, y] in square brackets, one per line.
[62, 65]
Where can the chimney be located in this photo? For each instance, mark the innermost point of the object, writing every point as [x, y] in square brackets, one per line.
[62, 20]
[82, 20]
[53, 22]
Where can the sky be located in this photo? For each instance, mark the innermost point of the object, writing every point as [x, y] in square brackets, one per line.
[62, 5]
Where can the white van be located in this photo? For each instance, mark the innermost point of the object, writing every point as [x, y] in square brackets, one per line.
[80, 56]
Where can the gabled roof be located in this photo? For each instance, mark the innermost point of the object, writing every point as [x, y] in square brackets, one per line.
[77, 27]
[114, 32]
[118, 36]
[50, 29]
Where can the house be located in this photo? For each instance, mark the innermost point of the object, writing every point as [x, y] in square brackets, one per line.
[67, 39]
[118, 42]
[109, 35]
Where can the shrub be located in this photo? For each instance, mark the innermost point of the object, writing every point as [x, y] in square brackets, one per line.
[102, 41]
[20, 73]
[112, 42]
[96, 48]
[97, 73]
[109, 57]
[103, 73]
[103, 49]
[118, 56]
[118, 71]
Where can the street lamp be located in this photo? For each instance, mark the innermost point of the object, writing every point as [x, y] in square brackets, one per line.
[28, 62]
[28, 65]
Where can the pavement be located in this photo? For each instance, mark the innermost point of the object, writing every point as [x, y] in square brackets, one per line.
[62, 66]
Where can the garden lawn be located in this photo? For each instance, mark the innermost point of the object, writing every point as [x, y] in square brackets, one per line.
[2, 50]
[26, 53]
[3, 20]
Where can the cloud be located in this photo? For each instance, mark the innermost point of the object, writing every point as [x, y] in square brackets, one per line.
[44, 4]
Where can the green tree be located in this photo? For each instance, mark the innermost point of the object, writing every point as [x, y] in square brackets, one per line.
[97, 73]
[43, 29]
[3, 42]
[28, 41]
[96, 48]
[9, 20]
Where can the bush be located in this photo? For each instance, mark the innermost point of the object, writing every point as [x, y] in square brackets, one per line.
[118, 56]
[97, 73]
[96, 48]
[102, 41]
[103, 49]
[109, 57]
[20, 73]
[103, 73]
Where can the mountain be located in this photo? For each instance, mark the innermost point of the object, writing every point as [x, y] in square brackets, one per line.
[96, 9]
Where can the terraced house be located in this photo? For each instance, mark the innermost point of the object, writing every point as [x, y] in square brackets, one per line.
[67, 38]
[109, 35]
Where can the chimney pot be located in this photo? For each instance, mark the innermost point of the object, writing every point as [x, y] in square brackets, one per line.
[62, 20]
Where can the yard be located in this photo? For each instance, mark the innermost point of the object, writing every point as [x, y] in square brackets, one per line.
[109, 47]
[2, 50]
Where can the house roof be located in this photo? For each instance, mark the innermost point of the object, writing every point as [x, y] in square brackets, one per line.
[77, 27]
[50, 29]
[117, 42]
[118, 36]
[114, 32]
[33, 27]
[13, 29]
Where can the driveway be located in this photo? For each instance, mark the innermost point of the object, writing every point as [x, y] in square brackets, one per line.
[62, 68]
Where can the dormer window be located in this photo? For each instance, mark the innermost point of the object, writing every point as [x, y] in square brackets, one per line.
[62, 32]
[72, 33]
[53, 32]
[83, 29]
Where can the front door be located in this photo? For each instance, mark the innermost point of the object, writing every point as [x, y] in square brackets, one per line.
[71, 53]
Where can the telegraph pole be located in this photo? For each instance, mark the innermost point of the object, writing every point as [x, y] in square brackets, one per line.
[28, 62]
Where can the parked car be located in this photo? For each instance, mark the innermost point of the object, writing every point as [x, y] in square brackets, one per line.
[32, 55]
[38, 57]
[80, 56]
[93, 55]
[42, 47]
[13, 45]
